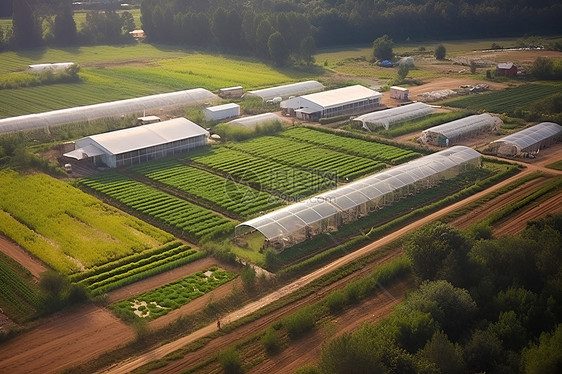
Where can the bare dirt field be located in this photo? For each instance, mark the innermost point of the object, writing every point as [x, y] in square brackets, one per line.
[14, 251]
[64, 340]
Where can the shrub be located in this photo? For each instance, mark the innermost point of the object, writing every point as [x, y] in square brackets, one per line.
[248, 275]
[270, 341]
[230, 361]
[440, 52]
[336, 301]
[300, 322]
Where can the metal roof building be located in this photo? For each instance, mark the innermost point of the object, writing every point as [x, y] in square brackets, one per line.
[386, 118]
[327, 212]
[220, 112]
[529, 140]
[346, 100]
[293, 89]
[258, 119]
[453, 132]
[140, 144]
[107, 110]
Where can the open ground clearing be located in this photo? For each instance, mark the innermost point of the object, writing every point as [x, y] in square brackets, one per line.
[13, 250]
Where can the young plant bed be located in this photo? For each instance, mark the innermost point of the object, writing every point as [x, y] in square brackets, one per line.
[163, 300]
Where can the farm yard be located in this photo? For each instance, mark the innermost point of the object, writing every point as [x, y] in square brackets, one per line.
[112, 230]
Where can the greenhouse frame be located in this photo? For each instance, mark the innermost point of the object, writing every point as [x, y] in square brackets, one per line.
[135, 145]
[112, 109]
[386, 118]
[453, 132]
[326, 212]
[258, 119]
[528, 141]
[293, 89]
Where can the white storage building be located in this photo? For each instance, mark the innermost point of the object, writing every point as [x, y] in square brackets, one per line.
[386, 118]
[258, 119]
[528, 141]
[231, 92]
[341, 101]
[135, 145]
[293, 89]
[327, 212]
[114, 109]
[453, 132]
[220, 112]
[398, 93]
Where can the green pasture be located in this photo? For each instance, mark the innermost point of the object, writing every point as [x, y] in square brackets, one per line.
[66, 228]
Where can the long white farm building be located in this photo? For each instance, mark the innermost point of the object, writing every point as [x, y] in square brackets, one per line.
[220, 112]
[528, 141]
[453, 132]
[287, 90]
[112, 109]
[139, 144]
[388, 117]
[341, 101]
[327, 212]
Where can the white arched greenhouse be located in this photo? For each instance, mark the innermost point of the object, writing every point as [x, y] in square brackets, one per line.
[528, 141]
[293, 89]
[258, 119]
[453, 132]
[298, 222]
[107, 110]
[386, 118]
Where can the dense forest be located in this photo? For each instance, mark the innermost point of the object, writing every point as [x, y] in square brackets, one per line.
[288, 27]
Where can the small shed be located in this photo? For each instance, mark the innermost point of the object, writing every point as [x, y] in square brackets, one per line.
[231, 92]
[220, 112]
[147, 120]
[398, 93]
[137, 34]
[507, 69]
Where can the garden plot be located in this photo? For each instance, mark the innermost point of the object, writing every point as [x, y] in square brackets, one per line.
[163, 300]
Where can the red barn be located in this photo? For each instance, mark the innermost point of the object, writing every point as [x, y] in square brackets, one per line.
[506, 69]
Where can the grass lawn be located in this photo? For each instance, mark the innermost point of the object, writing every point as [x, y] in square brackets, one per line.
[555, 165]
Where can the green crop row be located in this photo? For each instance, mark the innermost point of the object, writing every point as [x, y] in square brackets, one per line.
[146, 271]
[359, 147]
[308, 156]
[162, 300]
[18, 298]
[195, 221]
[506, 101]
[223, 192]
[262, 174]
[71, 226]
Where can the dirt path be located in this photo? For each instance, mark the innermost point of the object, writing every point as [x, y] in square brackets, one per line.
[307, 350]
[135, 362]
[64, 340]
[13, 250]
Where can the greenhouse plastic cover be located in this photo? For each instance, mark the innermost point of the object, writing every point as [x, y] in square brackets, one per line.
[464, 125]
[140, 137]
[106, 110]
[532, 135]
[386, 117]
[252, 121]
[293, 89]
[294, 217]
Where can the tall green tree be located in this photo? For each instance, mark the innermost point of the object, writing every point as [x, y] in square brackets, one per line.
[65, 26]
[26, 26]
[440, 52]
[278, 49]
[382, 48]
[308, 49]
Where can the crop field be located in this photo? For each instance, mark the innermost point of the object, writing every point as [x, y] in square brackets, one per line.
[195, 221]
[363, 148]
[113, 275]
[308, 156]
[66, 228]
[18, 296]
[163, 300]
[107, 75]
[222, 192]
[263, 174]
[506, 101]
